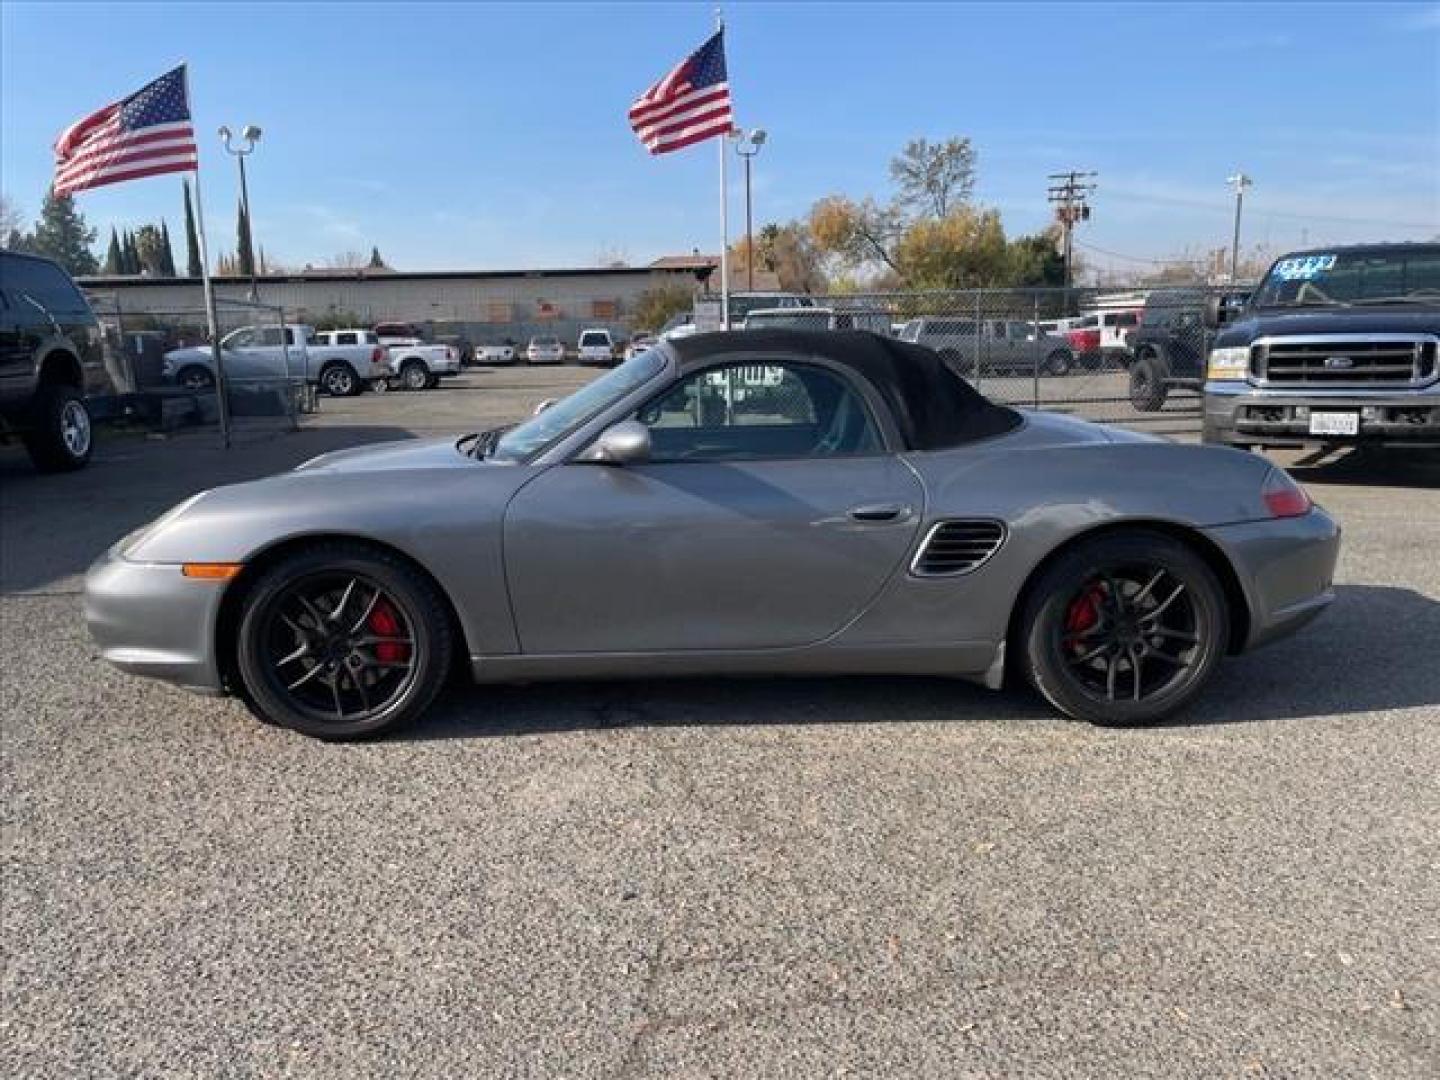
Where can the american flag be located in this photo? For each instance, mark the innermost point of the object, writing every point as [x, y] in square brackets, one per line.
[146, 134]
[688, 105]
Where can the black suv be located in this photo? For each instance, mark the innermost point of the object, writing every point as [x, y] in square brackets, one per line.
[1168, 346]
[51, 354]
[1170, 343]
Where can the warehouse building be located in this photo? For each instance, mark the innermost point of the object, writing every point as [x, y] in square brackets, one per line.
[488, 305]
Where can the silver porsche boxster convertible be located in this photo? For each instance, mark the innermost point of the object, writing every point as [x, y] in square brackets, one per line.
[759, 502]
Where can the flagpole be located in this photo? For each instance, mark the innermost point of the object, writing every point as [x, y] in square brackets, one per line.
[221, 397]
[724, 216]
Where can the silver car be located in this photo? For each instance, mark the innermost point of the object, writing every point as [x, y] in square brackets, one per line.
[757, 502]
[545, 350]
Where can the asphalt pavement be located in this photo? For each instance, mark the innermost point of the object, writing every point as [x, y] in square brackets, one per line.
[816, 877]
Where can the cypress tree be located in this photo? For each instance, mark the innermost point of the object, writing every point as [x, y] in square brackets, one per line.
[167, 253]
[245, 252]
[113, 258]
[192, 236]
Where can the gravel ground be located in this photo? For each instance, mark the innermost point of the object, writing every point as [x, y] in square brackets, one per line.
[740, 878]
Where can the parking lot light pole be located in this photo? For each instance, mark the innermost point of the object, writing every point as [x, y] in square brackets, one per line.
[1239, 182]
[251, 134]
[747, 145]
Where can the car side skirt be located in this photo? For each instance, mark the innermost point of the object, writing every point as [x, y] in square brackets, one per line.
[975, 661]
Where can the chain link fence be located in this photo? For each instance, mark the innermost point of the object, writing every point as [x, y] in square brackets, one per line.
[1134, 356]
[165, 370]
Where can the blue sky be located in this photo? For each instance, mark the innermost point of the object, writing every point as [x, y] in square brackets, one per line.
[494, 136]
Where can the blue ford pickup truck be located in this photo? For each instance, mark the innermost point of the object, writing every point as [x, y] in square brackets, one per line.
[1337, 346]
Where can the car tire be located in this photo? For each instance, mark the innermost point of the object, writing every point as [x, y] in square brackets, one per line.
[1166, 588]
[195, 379]
[1058, 362]
[61, 433]
[413, 375]
[340, 380]
[379, 386]
[1147, 383]
[322, 693]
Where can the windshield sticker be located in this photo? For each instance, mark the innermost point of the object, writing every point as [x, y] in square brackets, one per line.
[1303, 269]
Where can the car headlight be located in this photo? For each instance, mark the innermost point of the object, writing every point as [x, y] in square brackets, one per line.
[1230, 362]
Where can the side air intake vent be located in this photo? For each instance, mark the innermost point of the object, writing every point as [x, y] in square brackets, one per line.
[957, 547]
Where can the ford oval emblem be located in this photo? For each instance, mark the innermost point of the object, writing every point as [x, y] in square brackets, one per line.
[1339, 362]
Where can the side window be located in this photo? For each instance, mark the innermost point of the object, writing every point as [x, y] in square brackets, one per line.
[761, 410]
[270, 336]
[44, 283]
[240, 339]
[347, 339]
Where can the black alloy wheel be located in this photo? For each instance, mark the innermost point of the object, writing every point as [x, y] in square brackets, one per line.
[1125, 629]
[341, 642]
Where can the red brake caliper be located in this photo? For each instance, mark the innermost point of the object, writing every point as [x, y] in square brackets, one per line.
[383, 622]
[1084, 612]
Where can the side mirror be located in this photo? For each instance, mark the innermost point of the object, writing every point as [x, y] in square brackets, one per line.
[543, 406]
[627, 443]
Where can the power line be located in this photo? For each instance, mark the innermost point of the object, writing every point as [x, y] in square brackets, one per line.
[1119, 255]
[1291, 215]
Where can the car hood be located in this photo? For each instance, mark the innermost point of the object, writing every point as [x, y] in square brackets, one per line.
[437, 453]
[396, 493]
[1392, 319]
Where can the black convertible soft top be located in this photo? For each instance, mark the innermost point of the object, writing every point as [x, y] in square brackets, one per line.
[933, 405]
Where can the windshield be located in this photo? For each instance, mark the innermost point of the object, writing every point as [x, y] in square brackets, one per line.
[520, 443]
[1352, 277]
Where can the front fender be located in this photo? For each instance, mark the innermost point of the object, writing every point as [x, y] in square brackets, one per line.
[448, 520]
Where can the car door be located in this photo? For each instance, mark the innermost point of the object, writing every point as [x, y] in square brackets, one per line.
[16, 351]
[769, 516]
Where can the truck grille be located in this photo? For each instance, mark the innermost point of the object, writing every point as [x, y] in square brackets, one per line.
[1382, 360]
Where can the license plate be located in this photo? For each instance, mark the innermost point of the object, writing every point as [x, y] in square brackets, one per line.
[1334, 423]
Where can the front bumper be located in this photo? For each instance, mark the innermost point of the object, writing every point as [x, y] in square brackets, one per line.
[151, 620]
[1239, 414]
[1286, 568]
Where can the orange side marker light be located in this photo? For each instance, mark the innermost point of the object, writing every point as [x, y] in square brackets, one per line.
[211, 571]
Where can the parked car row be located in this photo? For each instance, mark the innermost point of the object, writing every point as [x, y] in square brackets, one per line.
[341, 363]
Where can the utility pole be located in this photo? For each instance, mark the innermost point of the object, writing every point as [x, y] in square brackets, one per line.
[1067, 193]
[1239, 182]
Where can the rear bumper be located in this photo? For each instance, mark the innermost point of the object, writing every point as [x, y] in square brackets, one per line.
[1237, 414]
[1286, 569]
[151, 620]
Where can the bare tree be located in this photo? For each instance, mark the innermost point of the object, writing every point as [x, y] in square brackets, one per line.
[12, 221]
[934, 179]
[347, 260]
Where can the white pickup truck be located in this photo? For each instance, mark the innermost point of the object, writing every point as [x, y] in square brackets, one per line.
[268, 353]
[418, 365]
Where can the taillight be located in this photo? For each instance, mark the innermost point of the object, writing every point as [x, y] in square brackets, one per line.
[378, 356]
[1283, 497]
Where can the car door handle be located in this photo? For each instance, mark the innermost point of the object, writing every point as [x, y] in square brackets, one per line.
[879, 512]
